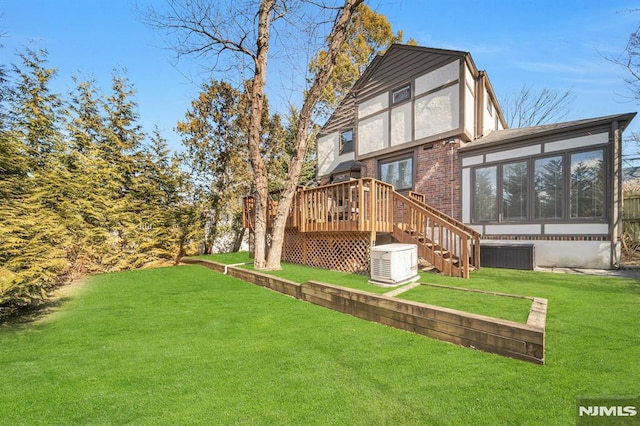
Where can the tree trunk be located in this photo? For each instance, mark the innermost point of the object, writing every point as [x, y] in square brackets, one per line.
[255, 131]
[335, 40]
[237, 240]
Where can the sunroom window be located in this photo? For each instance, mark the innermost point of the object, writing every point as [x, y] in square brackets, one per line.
[587, 184]
[514, 191]
[548, 188]
[485, 194]
[558, 187]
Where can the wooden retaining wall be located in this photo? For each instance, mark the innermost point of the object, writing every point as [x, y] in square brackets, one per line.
[520, 341]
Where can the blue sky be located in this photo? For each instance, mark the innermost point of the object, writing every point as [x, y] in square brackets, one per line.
[543, 43]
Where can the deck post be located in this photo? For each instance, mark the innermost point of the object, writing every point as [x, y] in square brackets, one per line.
[373, 191]
[361, 204]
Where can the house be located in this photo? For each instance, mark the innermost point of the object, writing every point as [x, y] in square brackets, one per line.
[461, 185]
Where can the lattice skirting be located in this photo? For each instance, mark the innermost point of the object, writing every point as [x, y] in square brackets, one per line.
[340, 251]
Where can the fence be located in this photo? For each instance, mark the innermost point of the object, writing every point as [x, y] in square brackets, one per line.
[631, 226]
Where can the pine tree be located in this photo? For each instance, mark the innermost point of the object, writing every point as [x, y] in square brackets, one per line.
[94, 180]
[120, 148]
[157, 192]
[37, 111]
[33, 241]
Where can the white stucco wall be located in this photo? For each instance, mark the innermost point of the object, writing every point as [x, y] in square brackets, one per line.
[489, 120]
[573, 254]
[437, 112]
[373, 133]
[401, 124]
[566, 254]
[469, 101]
[437, 78]
[328, 158]
[373, 105]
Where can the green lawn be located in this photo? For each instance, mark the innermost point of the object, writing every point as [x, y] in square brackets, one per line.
[187, 345]
[509, 308]
[498, 306]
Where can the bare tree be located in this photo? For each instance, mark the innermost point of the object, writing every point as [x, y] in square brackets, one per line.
[629, 60]
[213, 29]
[533, 108]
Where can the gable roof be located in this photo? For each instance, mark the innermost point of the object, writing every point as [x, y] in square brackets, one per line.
[383, 74]
[500, 137]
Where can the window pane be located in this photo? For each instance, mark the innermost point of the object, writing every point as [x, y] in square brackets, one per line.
[514, 191]
[398, 173]
[346, 142]
[486, 194]
[587, 184]
[401, 94]
[548, 188]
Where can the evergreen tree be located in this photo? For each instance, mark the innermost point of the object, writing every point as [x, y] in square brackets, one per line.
[34, 240]
[37, 112]
[120, 149]
[157, 193]
[94, 179]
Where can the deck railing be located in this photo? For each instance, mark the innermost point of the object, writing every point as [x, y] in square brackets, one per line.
[357, 205]
[369, 205]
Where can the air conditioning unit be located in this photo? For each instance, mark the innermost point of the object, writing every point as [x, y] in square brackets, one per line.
[394, 264]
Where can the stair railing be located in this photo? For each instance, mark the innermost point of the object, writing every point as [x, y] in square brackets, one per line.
[443, 245]
[475, 235]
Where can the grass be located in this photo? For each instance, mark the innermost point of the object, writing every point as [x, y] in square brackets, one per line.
[300, 273]
[187, 345]
[497, 306]
[509, 308]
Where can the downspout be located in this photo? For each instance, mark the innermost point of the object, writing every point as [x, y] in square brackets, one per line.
[616, 222]
[452, 179]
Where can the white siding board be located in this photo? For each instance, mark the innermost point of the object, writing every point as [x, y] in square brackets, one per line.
[596, 139]
[472, 161]
[466, 195]
[514, 153]
[577, 229]
[513, 229]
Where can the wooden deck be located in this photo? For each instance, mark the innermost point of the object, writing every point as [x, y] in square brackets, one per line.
[368, 205]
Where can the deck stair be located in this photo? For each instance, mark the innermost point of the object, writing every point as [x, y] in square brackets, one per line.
[369, 205]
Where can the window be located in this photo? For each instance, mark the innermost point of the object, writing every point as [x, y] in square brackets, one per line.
[514, 191]
[485, 194]
[400, 95]
[346, 142]
[490, 107]
[398, 172]
[548, 188]
[560, 187]
[587, 184]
